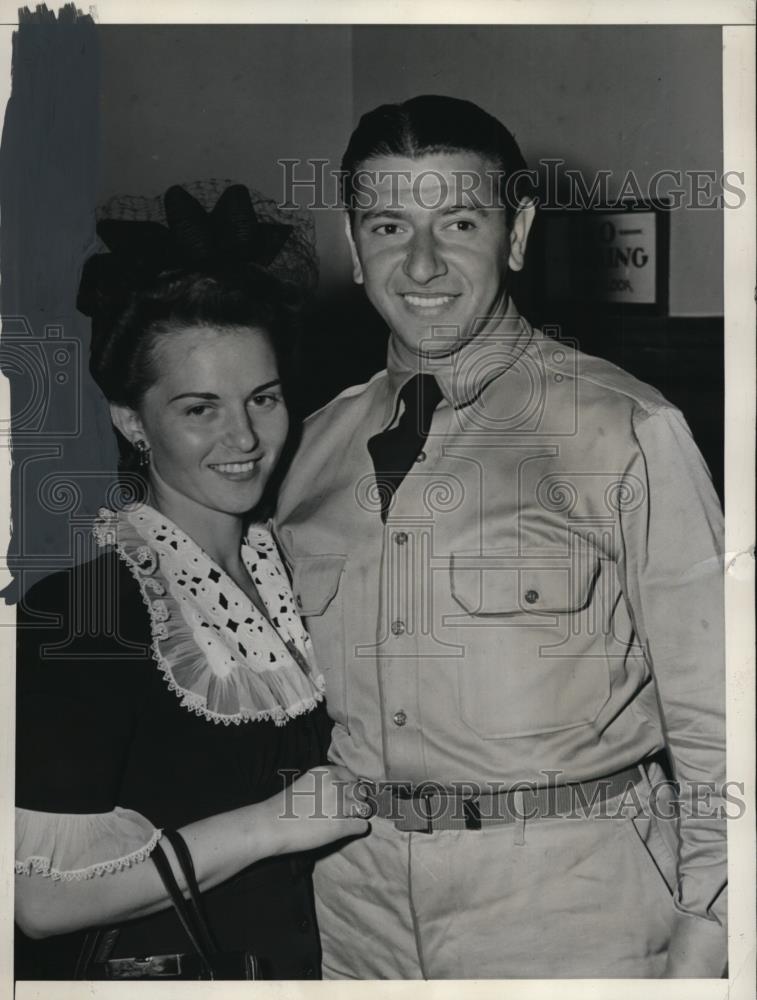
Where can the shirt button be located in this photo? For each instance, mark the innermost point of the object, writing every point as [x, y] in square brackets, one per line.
[304, 925]
[532, 596]
[398, 628]
[401, 537]
[421, 457]
[298, 601]
[399, 718]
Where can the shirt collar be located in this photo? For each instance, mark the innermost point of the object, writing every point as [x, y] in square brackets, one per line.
[465, 373]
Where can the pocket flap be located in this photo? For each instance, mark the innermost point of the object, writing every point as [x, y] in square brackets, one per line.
[503, 584]
[315, 581]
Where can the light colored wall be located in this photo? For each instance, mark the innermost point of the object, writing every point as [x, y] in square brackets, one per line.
[180, 103]
[186, 102]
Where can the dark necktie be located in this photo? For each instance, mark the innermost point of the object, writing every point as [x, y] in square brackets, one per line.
[393, 451]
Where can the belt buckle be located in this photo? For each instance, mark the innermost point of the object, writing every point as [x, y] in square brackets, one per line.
[424, 815]
[414, 816]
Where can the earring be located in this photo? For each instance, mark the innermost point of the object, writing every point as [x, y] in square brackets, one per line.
[143, 452]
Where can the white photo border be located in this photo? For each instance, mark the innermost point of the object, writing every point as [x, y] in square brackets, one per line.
[737, 18]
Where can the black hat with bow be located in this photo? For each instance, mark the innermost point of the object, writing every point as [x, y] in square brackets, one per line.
[204, 226]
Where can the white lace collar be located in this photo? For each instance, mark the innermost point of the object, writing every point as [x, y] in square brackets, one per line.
[222, 657]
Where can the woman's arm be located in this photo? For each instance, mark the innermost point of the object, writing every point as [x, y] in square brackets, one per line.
[314, 811]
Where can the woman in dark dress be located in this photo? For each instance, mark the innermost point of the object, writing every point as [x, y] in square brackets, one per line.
[169, 683]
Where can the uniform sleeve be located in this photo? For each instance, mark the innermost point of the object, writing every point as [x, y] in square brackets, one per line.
[673, 558]
[74, 719]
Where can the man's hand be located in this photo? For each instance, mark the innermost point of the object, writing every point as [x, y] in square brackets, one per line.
[698, 949]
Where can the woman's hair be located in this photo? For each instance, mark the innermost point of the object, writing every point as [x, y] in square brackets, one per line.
[435, 124]
[213, 254]
[126, 332]
[124, 337]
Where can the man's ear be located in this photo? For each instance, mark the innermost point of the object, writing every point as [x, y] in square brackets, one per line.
[357, 270]
[519, 231]
[128, 423]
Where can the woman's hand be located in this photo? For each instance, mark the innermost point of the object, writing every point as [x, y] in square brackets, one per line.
[321, 806]
[317, 808]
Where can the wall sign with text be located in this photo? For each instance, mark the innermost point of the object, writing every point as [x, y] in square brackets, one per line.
[608, 256]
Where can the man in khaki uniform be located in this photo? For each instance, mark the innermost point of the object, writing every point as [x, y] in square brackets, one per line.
[509, 557]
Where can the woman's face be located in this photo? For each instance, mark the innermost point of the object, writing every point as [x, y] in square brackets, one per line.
[214, 419]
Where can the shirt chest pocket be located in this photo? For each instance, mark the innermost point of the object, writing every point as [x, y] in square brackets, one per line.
[317, 587]
[534, 658]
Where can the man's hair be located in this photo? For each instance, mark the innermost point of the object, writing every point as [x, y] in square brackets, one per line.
[434, 124]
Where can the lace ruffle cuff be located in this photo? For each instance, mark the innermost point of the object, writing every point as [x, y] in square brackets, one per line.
[69, 846]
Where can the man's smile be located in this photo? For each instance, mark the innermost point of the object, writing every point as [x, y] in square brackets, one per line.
[424, 302]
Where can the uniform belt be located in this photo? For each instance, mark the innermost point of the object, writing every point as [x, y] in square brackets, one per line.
[434, 808]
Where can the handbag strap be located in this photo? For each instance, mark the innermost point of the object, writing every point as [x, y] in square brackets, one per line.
[183, 911]
[184, 857]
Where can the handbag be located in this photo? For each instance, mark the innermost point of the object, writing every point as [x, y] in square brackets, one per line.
[204, 959]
